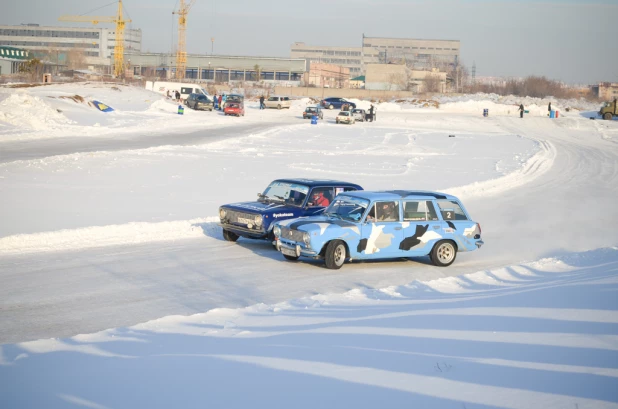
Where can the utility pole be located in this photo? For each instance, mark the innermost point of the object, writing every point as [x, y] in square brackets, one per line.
[212, 47]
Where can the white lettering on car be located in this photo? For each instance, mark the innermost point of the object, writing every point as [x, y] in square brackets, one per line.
[277, 215]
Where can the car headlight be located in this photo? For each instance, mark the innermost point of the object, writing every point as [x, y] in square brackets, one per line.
[306, 238]
[277, 231]
[222, 213]
[258, 220]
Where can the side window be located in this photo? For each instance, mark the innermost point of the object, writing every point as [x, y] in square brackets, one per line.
[414, 211]
[321, 197]
[384, 212]
[451, 210]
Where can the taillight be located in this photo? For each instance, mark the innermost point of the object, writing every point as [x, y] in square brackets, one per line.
[479, 226]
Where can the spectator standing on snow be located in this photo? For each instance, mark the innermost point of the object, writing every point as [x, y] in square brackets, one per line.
[521, 110]
[216, 102]
[220, 106]
[224, 99]
[549, 109]
[177, 95]
[168, 94]
[262, 102]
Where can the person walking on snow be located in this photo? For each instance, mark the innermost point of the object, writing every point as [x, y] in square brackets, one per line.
[262, 102]
[521, 110]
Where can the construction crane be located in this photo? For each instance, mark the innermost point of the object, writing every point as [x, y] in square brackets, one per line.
[120, 23]
[181, 52]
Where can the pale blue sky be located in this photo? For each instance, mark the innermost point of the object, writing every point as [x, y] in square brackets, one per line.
[573, 41]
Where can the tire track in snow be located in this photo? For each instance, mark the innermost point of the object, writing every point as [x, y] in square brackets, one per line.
[536, 166]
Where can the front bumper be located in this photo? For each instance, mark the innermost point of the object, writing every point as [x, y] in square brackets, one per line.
[295, 249]
[244, 231]
[479, 243]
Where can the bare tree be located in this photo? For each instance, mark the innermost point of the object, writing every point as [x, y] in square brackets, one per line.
[33, 68]
[398, 80]
[432, 83]
[76, 58]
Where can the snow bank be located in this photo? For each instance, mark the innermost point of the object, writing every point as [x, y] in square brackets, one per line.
[26, 111]
[100, 236]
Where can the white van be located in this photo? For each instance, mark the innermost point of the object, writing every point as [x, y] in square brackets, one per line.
[184, 88]
[278, 102]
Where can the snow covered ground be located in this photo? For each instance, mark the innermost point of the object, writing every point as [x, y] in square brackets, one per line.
[118, 291]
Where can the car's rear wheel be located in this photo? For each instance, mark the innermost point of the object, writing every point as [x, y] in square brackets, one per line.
[443, 253]
[291, 258]
[607, 116]
[229, 236]
[335, 255]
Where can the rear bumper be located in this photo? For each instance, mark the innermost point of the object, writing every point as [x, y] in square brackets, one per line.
[479, 243]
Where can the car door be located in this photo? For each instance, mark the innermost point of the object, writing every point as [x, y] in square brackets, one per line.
[381, 236]
[422, 227]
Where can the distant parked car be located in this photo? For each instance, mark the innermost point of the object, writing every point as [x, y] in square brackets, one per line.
[381, 225]
[234, 105]
[278, 102]
[345, 117]
[332, 103]
[311, 111]
[359, 115]
[200, 101]
[282, 199]
[234, 108]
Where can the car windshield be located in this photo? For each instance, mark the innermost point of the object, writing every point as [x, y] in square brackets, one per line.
[202, 98]
[357, 111]
[347, 208]
[290, 193]
[344, 113]
[310, 109]
[235, 98]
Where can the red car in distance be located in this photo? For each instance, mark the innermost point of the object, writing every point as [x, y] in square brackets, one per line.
[234, 105]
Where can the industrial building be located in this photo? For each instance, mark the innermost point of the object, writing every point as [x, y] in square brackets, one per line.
[417, 54]
[219, 68]
[398, 77]
[327, 75]
[348, 57]
[414, 53]
[95, 44]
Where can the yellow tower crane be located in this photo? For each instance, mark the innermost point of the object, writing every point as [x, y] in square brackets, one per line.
[181, 52]
[120, 23]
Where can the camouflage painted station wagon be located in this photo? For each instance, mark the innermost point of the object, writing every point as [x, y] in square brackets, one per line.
[367, 225]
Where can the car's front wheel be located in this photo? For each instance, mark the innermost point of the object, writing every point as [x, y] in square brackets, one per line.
[607, 116]
[335, 254]
[230, 236]
[443, 253]
[279, 106]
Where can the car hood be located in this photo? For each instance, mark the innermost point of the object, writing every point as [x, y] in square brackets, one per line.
[317, 223]
[276, 210]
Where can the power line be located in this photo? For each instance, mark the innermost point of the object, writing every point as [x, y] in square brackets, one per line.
[98, 8]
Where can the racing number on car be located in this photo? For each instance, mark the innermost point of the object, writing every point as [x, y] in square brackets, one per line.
[448, 214]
